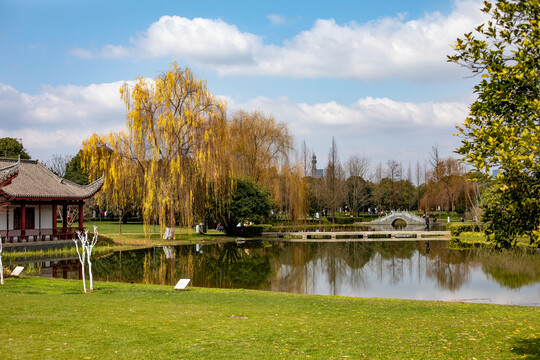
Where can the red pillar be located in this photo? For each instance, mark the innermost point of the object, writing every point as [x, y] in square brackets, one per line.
[81, 215]
[54, 221]
[7, 225]
[64, 217]
[23, 222]
[40, 236]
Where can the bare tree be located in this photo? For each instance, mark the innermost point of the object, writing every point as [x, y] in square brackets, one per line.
[358, 166]
[378, 173]
[306, 159]
[393, 170]
[334, 176]
[357, 188]
[435, 162]
[418, 173]
[58, 163]
[393, 173]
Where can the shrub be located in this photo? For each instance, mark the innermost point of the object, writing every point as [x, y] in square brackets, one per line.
[456, 228]
[249, 231]
[345, 220]
[267, 227]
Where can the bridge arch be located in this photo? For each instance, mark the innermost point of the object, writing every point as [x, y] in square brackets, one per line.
[392, 217]
[397, 219]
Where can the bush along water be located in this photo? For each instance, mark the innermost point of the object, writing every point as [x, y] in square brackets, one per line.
[457, 229]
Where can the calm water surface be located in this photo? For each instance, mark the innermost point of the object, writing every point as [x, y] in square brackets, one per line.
[393, 269]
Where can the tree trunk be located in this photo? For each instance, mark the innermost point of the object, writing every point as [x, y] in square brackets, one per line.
[169, 233]
[90, 271]
[120, 217]
[83, 275]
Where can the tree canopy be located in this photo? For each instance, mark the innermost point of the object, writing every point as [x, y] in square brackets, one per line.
[250, 202]
[12, 148]
[503, 129]
[74, 171]
[176, 139]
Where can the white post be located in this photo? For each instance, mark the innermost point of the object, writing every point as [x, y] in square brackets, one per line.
[89, 249]
[82, 257]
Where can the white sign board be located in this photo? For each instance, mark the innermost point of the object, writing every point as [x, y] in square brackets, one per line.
[181, 285]
[17, 271]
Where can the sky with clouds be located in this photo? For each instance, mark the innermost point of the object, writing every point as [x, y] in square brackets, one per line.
[371, 74]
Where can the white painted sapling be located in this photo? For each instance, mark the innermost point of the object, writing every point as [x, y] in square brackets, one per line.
[85, 253]
[82, 257]
[89, 249]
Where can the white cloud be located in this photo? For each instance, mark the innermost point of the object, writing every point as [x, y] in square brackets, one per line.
[202, 40]
[276, 19]
[387, 48]
[81, 53]
[379, 128]
[58, 119]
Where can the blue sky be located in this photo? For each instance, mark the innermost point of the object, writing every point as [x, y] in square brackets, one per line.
[372, 74]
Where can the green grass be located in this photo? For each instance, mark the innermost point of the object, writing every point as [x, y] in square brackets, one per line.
[469, 238]
[55, 252]
[53, 319]
[133, 234]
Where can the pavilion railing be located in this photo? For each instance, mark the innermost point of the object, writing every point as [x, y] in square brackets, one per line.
[33, 235]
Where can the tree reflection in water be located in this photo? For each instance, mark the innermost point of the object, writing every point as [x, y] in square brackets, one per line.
[402, 269]
[513, 269]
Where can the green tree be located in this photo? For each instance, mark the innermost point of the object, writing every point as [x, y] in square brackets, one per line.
[503, 130]
[75, 172]
[249, 202]
[12, 148]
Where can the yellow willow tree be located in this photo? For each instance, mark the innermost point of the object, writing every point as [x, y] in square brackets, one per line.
[176, 139]
[112, 155]
[290, 192]
[259, 145]
[260, 148]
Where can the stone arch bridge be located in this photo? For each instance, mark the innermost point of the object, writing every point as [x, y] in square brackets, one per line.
[406, 216]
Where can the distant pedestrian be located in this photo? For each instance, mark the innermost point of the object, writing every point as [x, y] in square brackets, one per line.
[427, 224]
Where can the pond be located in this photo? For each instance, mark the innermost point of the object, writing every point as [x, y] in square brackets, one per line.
[385, 269]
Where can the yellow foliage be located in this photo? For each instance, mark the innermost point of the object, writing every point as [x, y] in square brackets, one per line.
[174, 137]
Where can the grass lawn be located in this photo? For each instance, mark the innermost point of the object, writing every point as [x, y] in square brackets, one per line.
[53, 319]
[472, 238]
[133, 234]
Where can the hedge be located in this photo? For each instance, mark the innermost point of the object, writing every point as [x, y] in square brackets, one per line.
[345, 220]
[249, 231]
[456, 228]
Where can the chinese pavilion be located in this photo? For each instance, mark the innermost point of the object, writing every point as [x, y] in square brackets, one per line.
[30, 196]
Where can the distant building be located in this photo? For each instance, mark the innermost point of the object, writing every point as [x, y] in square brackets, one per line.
[316, 173]
[494, 173]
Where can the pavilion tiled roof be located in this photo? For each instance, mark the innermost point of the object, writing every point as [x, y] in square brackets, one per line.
[7, 173]
[36, 182]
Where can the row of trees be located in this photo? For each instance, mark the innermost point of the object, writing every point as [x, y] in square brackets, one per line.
[183, 160]
[355, 186]
[180, 158]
